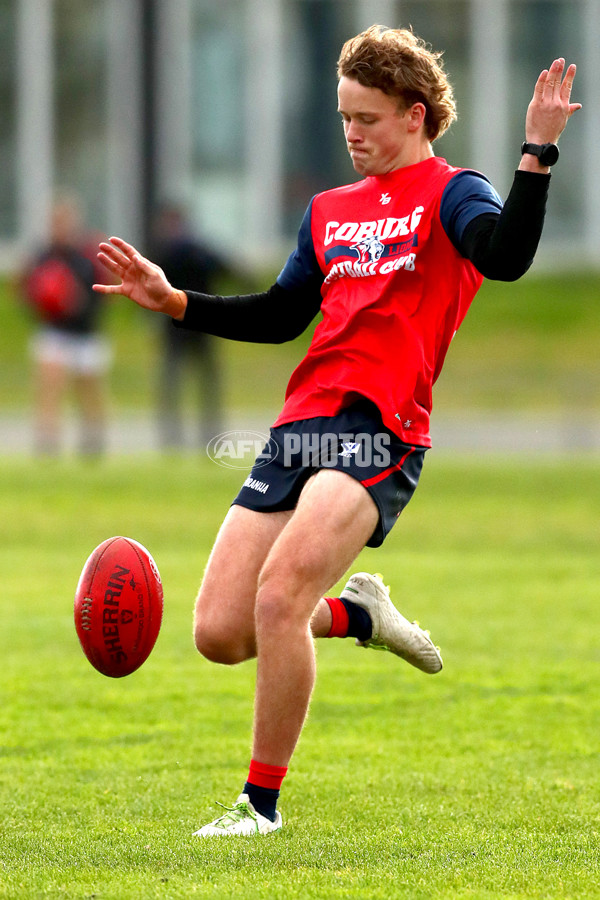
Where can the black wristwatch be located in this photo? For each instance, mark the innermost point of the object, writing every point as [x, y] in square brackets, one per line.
[546, 153]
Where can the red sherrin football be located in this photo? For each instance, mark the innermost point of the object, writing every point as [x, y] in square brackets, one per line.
[118, 606]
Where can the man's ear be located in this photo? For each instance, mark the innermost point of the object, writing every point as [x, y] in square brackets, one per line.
[415, 115]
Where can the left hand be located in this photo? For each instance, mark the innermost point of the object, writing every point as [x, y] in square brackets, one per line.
[551, 108]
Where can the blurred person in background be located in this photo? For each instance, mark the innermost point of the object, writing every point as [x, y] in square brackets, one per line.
[67, 349]
[189, 261]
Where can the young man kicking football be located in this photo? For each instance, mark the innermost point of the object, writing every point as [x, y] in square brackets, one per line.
[393, 262]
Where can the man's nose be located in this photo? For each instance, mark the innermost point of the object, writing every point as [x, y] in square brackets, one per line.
[353, 134]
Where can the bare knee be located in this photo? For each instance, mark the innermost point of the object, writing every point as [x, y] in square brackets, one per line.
[221, 642]
[280, 608]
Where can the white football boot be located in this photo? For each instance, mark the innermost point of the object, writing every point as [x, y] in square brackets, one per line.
[391, 631]
[240, 819]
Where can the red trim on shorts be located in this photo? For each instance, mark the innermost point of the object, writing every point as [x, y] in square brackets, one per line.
[377, 478]
[339, 618]
[266, 776]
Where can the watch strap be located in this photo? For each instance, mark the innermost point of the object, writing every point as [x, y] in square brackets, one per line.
[546, 153]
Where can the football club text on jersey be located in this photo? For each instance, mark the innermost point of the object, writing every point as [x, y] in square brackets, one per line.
[353, 232]
[365, 240]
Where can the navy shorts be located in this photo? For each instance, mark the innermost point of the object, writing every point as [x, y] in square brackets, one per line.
[353, 441]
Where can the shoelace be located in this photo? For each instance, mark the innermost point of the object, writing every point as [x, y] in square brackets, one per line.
[234, 814]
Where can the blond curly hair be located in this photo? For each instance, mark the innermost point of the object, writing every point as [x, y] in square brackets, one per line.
[401, 65]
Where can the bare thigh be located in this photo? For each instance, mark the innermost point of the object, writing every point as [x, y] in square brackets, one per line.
[224, 628]
[331, 524]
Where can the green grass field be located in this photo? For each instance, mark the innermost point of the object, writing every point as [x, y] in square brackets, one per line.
[480, 782]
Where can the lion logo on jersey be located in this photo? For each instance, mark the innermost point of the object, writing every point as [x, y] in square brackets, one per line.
[369, 249]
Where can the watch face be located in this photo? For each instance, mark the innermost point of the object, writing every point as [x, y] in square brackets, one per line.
[549, 154]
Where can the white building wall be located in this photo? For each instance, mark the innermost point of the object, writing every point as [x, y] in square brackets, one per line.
[263, 102]
[589, 89]
[174, 100]
[124, 137]
[35, 123]
[488, 115]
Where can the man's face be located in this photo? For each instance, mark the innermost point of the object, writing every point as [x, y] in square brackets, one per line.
[374, 126]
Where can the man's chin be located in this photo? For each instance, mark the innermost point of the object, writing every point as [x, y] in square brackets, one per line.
[361, 165]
